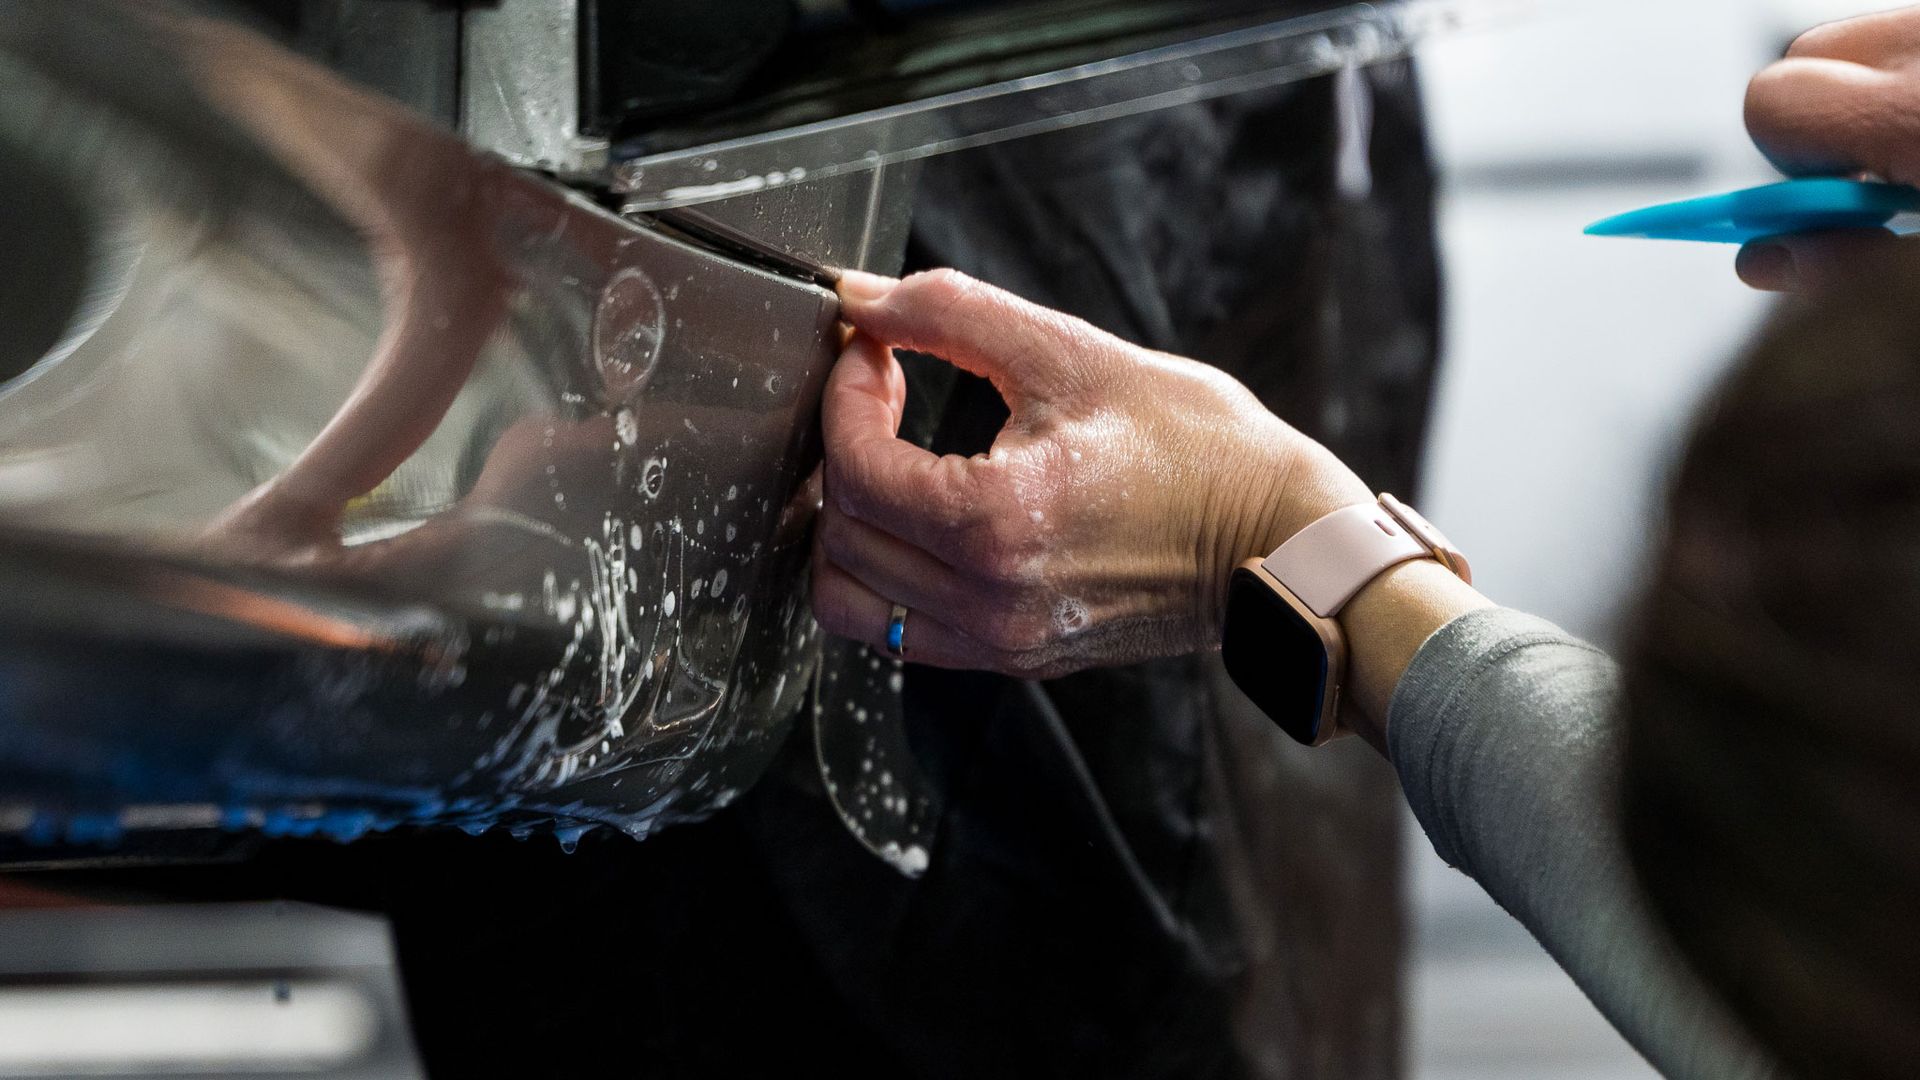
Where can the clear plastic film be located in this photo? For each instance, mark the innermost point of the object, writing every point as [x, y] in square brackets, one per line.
[1284, 51]
[349, 479]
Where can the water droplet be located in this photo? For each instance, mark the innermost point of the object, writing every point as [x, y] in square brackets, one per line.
[667, 604]
[1070, 616]
[628, 427]
[911, 860]
[719, 582]
[653, 478]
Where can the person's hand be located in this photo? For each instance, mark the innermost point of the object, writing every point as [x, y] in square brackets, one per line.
[428, 209]
[1845, 102]
[1103, 525]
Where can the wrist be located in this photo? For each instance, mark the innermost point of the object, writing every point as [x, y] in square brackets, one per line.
[1322, 629]
[1385, 624]
[1256, 511]
[1311, 484]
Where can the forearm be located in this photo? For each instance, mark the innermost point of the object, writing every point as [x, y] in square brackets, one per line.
[1503, 732]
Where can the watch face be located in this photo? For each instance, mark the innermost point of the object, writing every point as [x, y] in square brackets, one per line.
[1276, 655]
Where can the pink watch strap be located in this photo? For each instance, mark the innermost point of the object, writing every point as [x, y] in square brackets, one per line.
[1329, 561]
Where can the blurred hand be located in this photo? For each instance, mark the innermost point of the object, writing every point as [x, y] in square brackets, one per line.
[1102, 526]
[428, 208]
[1845, 102]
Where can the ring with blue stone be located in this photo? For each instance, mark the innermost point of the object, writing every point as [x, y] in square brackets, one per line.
[897, 632]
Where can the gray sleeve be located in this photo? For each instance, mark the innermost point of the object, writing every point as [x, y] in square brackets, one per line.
[1505, 736]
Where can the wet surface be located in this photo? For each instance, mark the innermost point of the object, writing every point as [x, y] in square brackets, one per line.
[371, 482]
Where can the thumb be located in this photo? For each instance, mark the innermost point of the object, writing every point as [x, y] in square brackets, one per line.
[1027, 351]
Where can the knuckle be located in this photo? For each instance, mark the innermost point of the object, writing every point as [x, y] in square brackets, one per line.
[1218, 382]
[998, 550]
[941, 284]
[973, 546]
[827, 610]
[1017, 638]
[836, 536]
[948, 491]
[846, 485]
[942, 294]
[1013, 547]
[833, 606]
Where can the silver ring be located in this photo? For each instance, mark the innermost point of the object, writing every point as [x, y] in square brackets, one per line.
[897, 632]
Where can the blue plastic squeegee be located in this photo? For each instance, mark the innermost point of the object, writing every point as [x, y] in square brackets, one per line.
[1796, 206]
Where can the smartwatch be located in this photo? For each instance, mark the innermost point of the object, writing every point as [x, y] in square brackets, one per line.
[1281, 643]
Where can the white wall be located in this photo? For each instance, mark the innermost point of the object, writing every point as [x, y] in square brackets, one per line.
[1573, 362]
[1573, 366]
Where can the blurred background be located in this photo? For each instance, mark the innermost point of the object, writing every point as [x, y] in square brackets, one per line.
[1572, 368]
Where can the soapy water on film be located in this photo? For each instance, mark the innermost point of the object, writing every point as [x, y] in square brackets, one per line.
[625, 699]
[613, 626]
[656, 617]
[868, 768]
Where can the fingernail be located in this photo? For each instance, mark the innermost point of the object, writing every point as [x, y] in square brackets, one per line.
[860, 286]
[1771, 266]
